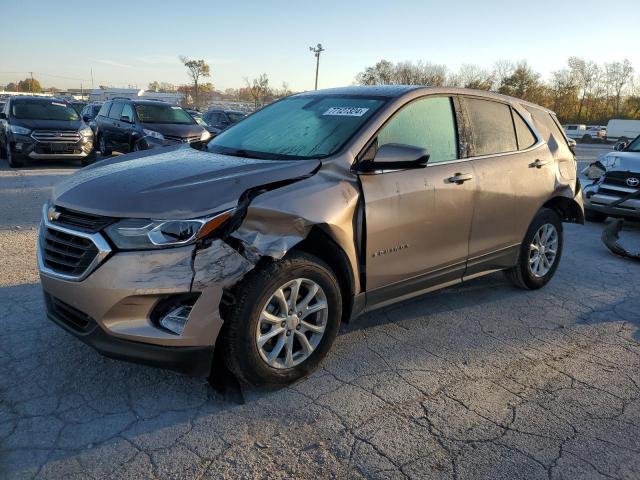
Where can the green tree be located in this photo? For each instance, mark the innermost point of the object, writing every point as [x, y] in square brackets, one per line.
[196, 69]
[30, 85]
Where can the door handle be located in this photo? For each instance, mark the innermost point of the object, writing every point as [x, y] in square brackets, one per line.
[538, 163]
[460, 178]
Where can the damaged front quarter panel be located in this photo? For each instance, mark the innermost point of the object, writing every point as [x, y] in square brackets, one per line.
[278, 220]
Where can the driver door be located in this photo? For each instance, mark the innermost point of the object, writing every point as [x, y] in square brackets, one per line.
[418, 221]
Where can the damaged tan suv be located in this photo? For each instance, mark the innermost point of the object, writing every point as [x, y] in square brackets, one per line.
[313, 210]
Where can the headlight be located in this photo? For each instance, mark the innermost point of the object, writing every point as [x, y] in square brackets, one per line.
[85, 132]
[153, 134]
[19, 130]
[141, 234]
[205, 136]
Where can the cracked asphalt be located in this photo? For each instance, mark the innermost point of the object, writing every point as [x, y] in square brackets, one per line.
[477, 381]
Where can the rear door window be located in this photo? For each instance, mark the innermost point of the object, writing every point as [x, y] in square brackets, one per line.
[104, 109]
[491, 126]
[425, 123]
[525, 136]
[116, 111]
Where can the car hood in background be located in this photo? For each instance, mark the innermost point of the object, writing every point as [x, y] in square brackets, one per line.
[622, 161]
[48, 124]
[175, 130]
[178, 183]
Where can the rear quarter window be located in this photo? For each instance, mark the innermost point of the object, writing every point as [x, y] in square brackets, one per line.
[551, 132]
[525, 136]
[491, 126]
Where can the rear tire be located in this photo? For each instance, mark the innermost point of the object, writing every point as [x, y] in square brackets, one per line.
[257, 314]
[535, 267]
[593, 216]
[586, 139]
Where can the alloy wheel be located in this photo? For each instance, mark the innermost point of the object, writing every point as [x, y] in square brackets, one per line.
[543, 250]
[292, 323]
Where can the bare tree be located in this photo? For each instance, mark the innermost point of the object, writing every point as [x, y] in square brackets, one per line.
[259, 89]
[502, 69]
[586, 74]
[197, 69]
[472, 76]
[403, 73]
[618, 75]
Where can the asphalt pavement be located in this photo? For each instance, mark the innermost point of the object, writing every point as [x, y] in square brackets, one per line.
[472, 382]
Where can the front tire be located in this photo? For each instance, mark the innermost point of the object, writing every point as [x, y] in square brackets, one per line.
[540, 252]
[12, 160]
[104, 150]
[275, 306]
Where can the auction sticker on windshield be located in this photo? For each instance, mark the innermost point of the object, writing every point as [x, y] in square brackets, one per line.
[346, 111]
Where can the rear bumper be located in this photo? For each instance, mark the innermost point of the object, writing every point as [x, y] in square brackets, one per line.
[194, 361]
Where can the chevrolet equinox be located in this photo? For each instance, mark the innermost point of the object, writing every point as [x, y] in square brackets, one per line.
[311, 211]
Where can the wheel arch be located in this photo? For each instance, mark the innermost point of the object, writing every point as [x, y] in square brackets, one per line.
[567, 208]
[320, 244]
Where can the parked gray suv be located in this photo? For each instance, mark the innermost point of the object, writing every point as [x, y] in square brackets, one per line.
[311, 211]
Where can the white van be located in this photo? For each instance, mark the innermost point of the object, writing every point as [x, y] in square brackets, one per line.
[622, 130]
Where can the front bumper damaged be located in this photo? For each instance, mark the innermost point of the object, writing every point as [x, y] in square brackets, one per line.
[113, 308]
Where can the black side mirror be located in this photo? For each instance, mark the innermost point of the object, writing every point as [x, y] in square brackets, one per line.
[3, 116]
[125, 118]
[395, 156]
[86, 118]
[618, 147]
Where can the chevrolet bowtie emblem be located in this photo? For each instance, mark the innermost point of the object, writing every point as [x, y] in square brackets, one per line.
[52, 214]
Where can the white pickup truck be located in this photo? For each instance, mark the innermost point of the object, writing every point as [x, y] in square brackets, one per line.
[585, 133]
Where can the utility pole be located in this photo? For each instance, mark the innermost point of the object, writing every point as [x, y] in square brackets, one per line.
[317, 50]
[31, 89]
[92, 78]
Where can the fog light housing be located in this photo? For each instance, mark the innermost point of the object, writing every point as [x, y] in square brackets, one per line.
[176, 319]
[172, 314]
[18, 147]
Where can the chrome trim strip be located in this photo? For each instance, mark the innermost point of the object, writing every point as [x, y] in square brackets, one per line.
[53, 156]
[98, 240]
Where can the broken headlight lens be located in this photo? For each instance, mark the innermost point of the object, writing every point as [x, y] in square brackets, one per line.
[142, 234]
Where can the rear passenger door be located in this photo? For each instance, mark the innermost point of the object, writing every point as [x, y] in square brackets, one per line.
[514, 177]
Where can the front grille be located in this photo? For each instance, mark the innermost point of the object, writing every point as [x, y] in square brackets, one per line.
[70, 316]
[58, 148]
[87, 222]
[176, 138]
[56, 135]
[66, 253]
[619, 178]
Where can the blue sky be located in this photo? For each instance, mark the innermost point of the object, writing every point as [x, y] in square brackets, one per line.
[137, 41]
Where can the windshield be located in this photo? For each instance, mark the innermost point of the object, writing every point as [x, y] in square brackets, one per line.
[148, 113]
[78, 106]
[39, 110]
[306, 126]
[235, 117]
[634, 146]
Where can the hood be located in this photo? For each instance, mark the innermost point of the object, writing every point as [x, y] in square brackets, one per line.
[622, 161]
[175, 130]
[178, 183]
[48, 124]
